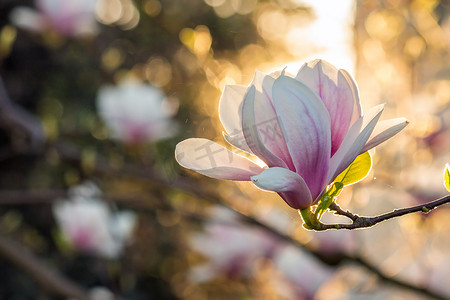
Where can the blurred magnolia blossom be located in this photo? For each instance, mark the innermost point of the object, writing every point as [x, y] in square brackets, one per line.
[304, 274]
[232, 249]
[437, 277]
[66, 17]
[100, 293]
[136, 112]
[88, 225]
[306, 130]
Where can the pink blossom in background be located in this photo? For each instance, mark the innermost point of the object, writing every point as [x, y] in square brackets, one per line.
[307, 130]
[303, 273]
[437, 277]
[88, 225]
[234, 250]
[66, 17]
[100, 293]
[231, 248]
[136, 112]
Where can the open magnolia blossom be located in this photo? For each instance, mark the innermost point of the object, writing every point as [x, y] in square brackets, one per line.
[65, 17]
[307, 130]
[88, 225]
[136, 112]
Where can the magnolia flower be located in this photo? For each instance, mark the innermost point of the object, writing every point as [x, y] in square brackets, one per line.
[66, 17]
[232, 248]
[88, 225]
[306, 130]
[135, 112]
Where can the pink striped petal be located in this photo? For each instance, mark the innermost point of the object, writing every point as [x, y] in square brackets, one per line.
[266, 120]
[211, 159]
[237, 141]
[230, 114]
[290, 185]
[306, 128]
[230, 108]
[384, 131]
[337, 93]
[357, 109]
[252, 135]
[354, 142]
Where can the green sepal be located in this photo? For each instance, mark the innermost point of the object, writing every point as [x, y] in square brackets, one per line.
[306, 226]
[447, 177]
[357, 171]
[306, 214]
[324, 203]
[327, 198]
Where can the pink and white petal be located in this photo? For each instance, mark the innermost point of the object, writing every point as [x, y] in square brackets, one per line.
[252, 135]
[357, 109]
[230, 114]
[384, 131]
[238, 141]
[263, 83]
[230, 108]
[266, 120]
[336, 93]
[305, 124]
[211, 159]
[354, 142]
[291, 186]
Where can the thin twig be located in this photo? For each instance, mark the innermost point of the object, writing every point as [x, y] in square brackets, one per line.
[364, 222]
[339, 211]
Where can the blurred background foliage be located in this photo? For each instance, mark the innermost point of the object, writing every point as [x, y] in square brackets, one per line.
[398, 50]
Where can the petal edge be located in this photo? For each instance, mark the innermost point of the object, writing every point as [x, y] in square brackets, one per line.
[211, 159]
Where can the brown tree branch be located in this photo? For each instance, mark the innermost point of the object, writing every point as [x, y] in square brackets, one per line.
[364, 222]
[339, 211]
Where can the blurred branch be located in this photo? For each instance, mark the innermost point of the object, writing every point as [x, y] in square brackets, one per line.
[8, 197]
[71, 153]
[14, 117]
[364, 222]
[49, 279]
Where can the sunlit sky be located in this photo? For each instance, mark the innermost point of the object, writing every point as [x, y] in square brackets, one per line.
[328, 36]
